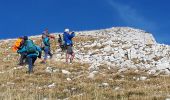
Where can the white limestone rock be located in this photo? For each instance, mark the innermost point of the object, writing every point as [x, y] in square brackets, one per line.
[92, 74]
[151, 72]
[108, 48]
[162, 65]
[65, 72]
[94, 67]
[143, 78]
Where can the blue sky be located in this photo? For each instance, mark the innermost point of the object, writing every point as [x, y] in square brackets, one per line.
[30, 17]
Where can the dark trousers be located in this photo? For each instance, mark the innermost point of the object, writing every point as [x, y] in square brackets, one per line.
[22, 58]
[31, 61]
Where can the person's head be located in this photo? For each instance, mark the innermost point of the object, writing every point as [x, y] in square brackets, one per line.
[67, 30]
[25, 38]
[59, 36]
[43, 35]
[46, 30]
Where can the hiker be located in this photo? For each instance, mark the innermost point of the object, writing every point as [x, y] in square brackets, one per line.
[46, 47]
[61, 43]
[31, 51]
[18, 46]
[69, 44]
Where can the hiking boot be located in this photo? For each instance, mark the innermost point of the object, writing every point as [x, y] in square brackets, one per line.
[51, 56]
[70, 60]
[28, 72]
[20, 64]
[26, 66]
[43, 62]
[70, 63]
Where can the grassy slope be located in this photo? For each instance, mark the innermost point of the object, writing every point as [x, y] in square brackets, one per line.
[16, 84]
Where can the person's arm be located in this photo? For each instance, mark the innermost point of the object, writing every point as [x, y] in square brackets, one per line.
[52, 36]
[22, 50]
[71, 35]
[39, 51]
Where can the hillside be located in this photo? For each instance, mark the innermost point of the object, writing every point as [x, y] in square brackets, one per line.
[119, 63]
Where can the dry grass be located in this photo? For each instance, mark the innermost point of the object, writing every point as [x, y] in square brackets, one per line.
[15, 84]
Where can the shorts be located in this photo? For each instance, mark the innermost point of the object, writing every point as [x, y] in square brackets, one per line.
[69, 49]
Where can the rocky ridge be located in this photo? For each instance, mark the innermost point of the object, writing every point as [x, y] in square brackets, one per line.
[122, 48]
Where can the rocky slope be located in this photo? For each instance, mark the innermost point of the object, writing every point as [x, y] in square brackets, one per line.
[123, 48]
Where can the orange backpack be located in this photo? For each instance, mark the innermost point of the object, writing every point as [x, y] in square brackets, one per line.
[17, 44]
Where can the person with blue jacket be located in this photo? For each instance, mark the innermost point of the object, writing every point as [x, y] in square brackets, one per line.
[67, 36]
[31, 56]
[46, 47]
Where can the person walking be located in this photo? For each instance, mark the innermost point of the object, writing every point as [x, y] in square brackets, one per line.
[32, 52]
[69, 44]
[46, 47]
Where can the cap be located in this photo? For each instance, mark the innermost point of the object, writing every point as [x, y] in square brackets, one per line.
[66, 30]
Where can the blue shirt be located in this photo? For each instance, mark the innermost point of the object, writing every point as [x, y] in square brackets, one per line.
[46, 41]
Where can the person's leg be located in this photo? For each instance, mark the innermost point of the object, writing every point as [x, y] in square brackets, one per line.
[25, 58]
[67, 57]
[71, 53]
[21, 59]
[33, 60]
[49, 52]
[30, 64]
[46, 54]
[72, 57]
[67, 53]
[40, 54]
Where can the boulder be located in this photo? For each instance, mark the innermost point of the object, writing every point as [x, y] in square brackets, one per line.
[107, 48]
[162, 65]
[65, 72]
[94, 67]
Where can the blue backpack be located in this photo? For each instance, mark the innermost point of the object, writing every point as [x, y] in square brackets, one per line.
[46, 41]
[30, 46]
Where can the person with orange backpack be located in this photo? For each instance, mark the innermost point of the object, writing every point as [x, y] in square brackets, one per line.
[32, 52]
[18, 45]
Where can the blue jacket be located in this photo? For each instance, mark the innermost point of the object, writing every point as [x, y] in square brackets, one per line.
[68, 38]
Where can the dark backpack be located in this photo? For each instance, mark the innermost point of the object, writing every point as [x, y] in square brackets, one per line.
[30, 46]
